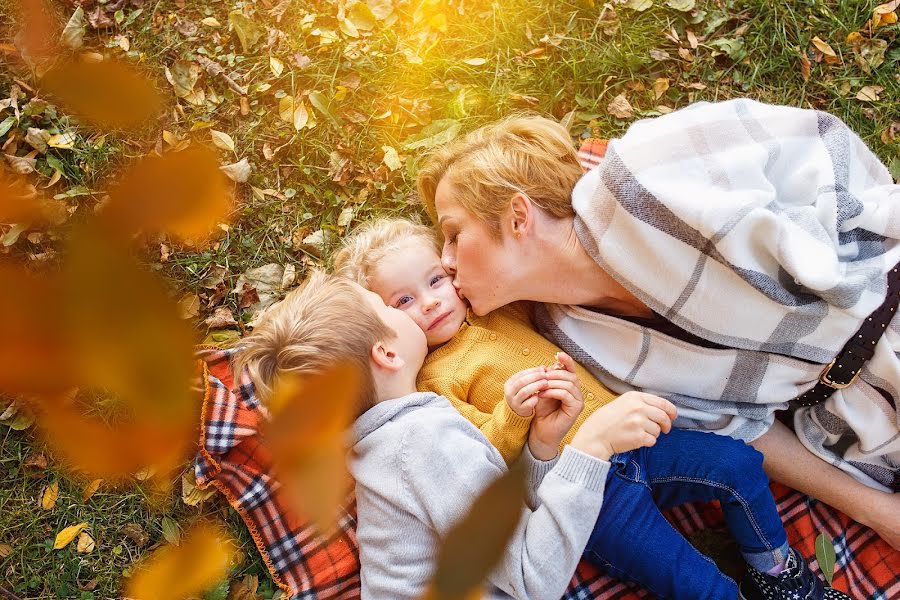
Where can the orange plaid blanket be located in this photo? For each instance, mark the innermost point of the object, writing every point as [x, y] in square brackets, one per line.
[309, 566]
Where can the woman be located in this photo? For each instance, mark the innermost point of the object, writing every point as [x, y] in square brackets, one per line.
[720, 256]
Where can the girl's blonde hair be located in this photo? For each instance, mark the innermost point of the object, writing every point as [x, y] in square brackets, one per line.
[530, 155]
[324, 322]
[372, 241]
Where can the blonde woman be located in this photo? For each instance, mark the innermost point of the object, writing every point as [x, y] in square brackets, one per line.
[733, 258]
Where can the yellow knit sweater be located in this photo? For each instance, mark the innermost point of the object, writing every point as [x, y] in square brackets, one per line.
[472, 368]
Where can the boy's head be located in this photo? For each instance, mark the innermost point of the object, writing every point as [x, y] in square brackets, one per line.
[330, 320]
[400, 261]
[527, 155]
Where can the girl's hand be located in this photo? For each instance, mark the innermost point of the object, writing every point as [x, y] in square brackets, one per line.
[521, 390]
[557, 408]
[632, 420]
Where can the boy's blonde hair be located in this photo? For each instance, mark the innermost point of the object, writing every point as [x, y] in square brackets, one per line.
[372, 241]
[520, 154]
[323, 322]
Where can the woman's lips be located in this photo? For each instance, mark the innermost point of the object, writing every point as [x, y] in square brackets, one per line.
[439, 320]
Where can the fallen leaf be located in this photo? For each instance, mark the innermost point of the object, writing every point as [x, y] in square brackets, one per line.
[91, 489]
[65, 537]
[211, 22]
[21, 165]
[869, 93]
[247, 30]
[48, 498]
[238, 172]
[170, 530]
[289, 276]
[63, 141]
[435, 134]
[183, 76]
[639, 5]
[884, 14]
[276, 66]
[869, 53]
[85, 543]
[659, 54]
[382, 9]
[822, 46]
[73, 33]
[475, 62]
[108, 94]
[136, 534]
[265, 283]
[682, 5]
[391, 158]
[220, 318]
[35, 464]
[5, 550]
[190, 493]
[189, 306]
[222, 140]
[301, 115]
[692, 39]
[620, 107]
[37, 138]
[805, 66]
[660, 85]
[346, 217]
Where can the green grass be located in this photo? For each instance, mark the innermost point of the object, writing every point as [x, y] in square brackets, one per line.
[381, 98]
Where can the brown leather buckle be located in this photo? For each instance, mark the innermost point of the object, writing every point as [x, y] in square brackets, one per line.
[824, 377]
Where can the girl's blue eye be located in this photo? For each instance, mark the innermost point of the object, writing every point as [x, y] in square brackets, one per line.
[404, 300]
[436, 278]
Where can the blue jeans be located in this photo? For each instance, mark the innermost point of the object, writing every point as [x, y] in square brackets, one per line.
[633, 541]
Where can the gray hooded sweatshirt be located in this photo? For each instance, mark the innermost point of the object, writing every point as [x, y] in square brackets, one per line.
[419, 465]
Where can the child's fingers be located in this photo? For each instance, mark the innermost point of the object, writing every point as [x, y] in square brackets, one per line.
[567, 362]
[563, 384]
[662, 404]
[659, 417]
[563, 396]
[527, 376]
[529, 390]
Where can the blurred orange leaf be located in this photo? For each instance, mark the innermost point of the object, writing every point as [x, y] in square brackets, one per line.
[107, 94]
[307, 436]
[176, 572]
[183, 193]
[37, 29]
[65, 537]
[472, 548]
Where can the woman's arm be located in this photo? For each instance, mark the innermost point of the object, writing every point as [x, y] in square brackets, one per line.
[788, 461]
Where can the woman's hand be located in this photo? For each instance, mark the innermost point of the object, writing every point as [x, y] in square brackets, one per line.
[632, 420]
[521, 390]
[558, 405]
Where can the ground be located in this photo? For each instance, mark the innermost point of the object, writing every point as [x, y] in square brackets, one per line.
[323, 111]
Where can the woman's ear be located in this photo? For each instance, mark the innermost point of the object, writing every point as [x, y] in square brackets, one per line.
[521, 216]
[385, 358]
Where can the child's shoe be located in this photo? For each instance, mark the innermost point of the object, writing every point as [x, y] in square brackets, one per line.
[795, 582]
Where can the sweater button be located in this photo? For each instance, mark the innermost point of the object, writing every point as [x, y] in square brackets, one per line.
[526, 351]
[493, 336]
[590, 396]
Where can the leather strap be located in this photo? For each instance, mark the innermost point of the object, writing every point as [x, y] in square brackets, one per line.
[848, 363]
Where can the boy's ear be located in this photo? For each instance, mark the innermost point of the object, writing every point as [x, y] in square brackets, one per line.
[385, 358]
[521, 214]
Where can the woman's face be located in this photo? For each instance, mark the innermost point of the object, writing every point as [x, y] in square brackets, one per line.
[483, 267]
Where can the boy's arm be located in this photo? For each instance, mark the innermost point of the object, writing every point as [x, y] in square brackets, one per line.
[504, 429]
[446, 467]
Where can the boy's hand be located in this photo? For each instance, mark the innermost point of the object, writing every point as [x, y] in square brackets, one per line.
[521, 390]
[632, 420]
[557, 408]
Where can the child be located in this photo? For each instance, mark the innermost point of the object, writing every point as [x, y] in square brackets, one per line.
[399, 260]
[418, 463]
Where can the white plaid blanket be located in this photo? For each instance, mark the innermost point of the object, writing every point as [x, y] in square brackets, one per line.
[767, 230]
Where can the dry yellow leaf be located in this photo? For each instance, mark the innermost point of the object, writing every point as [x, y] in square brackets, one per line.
[48, 498]
[620, 107]
[869, 93]
[221, 140]
[63, 141]
[176, 572]
[822, 46]
[660, 86]
[301, 115]
[91, 489]
[190, 493]
[65, 537]
[5, 550]
[211, 22]
[276, 65]
[85, 543]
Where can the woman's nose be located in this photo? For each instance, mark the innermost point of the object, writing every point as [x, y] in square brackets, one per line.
[448, 259]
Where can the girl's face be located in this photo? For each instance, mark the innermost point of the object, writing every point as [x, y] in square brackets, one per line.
[485, 269]
[411, 278]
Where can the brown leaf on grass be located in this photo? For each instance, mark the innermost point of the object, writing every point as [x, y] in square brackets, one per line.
[136, 534]
[620, 107]
[868, 53]
[869, 93]
[175, 572]
[892, 133]
[182, 193]
[190, 493]
[805, 66]
[221, 317]
[35, 465]
[827, 51]
[91, 489]
[65, 537]
[238, 172]
[85, 543]
[884, 14]
[5, 550]
[244, 589]
[660, 85]
[108, 94]
[472, 548]
[306, 434]
[189, 306]
[49, 496]
[183, 75]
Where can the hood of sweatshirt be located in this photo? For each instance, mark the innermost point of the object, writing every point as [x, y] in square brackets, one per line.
[388, 410]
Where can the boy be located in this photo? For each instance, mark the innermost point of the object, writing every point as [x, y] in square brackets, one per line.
[472, 355]
[418, 463]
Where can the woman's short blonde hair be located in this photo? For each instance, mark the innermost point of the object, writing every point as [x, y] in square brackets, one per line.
[372, 241]
[531, 155]
[324, 322]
